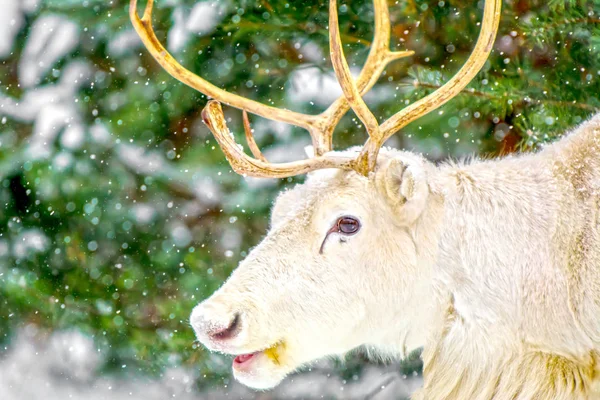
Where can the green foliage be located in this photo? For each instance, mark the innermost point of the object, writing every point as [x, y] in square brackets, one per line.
[123, 251]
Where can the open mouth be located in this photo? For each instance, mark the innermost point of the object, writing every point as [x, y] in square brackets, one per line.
[262, 369]
[243, 358]
[273, 353]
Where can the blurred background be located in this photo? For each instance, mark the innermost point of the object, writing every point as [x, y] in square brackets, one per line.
[119, 212]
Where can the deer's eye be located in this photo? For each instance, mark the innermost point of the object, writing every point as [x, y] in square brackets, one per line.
[344, 225]
[348, 225]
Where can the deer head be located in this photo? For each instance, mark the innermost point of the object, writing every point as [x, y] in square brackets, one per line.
[348, 259]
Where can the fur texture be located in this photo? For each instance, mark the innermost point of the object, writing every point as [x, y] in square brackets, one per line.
[493, 267]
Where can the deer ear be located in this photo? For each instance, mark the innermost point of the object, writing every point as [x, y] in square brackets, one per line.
[404, 184]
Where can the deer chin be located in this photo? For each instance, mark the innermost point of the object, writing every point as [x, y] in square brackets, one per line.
[262, 369]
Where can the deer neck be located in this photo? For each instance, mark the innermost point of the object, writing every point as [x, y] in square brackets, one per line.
[496, 335]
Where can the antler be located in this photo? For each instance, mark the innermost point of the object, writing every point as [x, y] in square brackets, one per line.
[143, 26]
[379, 134]
[483, 47]
[321, 126]
[259, 167]
[379, 57]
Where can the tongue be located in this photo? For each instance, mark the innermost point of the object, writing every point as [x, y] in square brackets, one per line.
[242, 358]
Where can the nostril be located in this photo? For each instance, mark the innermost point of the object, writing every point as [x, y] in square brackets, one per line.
[213, 322]
[229, 332]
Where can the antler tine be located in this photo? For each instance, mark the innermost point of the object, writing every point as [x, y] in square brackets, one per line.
[144, 28]
[248, 166]
[342, 72]
[250, 139]
[483, 47]
[379, 57]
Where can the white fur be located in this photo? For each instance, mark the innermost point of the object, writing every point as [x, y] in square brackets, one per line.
[493, 267]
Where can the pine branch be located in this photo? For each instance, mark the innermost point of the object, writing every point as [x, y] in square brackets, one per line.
[524, 101]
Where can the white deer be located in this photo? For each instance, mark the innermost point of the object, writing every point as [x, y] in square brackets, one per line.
[493, 267]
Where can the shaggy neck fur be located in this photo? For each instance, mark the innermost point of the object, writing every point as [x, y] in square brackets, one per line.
[518, 276]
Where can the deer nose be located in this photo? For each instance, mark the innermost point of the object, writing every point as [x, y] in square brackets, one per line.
[215, 324]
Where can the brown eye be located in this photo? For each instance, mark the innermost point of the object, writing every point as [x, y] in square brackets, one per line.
[345, 225]
[348, 225]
